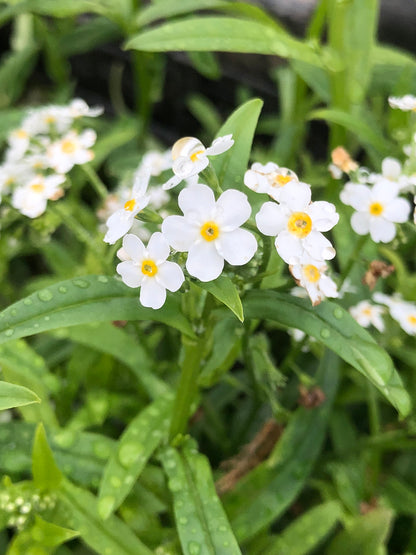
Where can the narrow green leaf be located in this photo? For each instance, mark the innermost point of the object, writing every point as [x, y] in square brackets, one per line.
[401, 496]
[336, 328]
[365, 534]
[171, 8]
[231, 166]
[307, 531]
[15, 68]
[80, 301]
[264, 494]
[354, 123]
[134, 448]
[227, 34]
[226, 292]
[79, 510]
[46, 474]
[202, 524]
[12, 395]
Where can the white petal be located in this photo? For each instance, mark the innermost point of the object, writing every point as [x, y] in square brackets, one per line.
[255, 181]
[180, 233]
[318, 246]
[152, 293]
[384, 191]
[391, 168]
[271, 218]
[382, 230]
[170, 275]
[289, 247]
[357, 196]
[134, 247]
[197, 201]
[323, 214]
[397, 210]
[172, 182]
[118, 225]
[297, 196]
[185, 167]
[237, 246]
[360, 222]
[158, 248]
[130, 273]
[204, 262]
[328, 287]
[220, 145]
[232, 209]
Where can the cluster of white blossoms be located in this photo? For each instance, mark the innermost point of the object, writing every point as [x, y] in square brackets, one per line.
[41, 151]
[298, 224]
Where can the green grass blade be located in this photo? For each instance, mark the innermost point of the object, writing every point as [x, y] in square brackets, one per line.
[12, 395]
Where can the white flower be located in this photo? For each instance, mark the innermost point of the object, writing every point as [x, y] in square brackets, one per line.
[43, 121]
[31, 199]
[377, 209]
[158, 162]
[190, 157]
[391, 170]
[368, 314]
[122, 220]
[297, 224]
[210, 230]
[335, 171]
[149, 269]
[158, 197]
[13, 174]
[269, 179]
[310, 274]
[402, 311]
[405, 103]
[19, 141]
[79, 108]
[70, 150]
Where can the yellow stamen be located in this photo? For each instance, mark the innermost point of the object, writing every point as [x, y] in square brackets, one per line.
[367, 311]
[281, 180]
[210, 231]
[194, 156]
[38, 187]
[21, 134]
[68, 147]
[129, 205]
[311, 273]
[299, 224]
[50, 119]
[376, 209]
[149, 268]
[412, 320]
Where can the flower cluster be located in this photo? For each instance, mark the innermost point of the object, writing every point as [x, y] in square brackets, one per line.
[297, 223]
[41, 151]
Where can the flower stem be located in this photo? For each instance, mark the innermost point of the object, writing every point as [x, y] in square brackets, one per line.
[187, 387]
[211, 179]
[96, 182]
[352, 259]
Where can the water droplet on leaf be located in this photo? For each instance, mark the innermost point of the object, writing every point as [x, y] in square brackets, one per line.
[129, 453]
[45, 295]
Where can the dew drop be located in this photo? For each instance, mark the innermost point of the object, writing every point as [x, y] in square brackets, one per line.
[80, 283]
[226, 544]
[45, 295]
[222, 528]
[175, 485]
[194, 548]
[129, 453]
[63, 289]
[115, 481]
[9, 332]
[182, 520]
[325, 333]
[129, 479]
[105, 506]
[103, 279]
[338, 312]
[65, 438]
[102, 450]
[27, 301]
[13, 312]
[170, 464]
[47, 318]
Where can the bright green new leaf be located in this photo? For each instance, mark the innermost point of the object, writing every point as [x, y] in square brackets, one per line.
[80, 301]
[46, 474]
[226, 292]
[232, 164]
[171, 8]
[336, 328]
[134, 448]
[12, 395]
[201, 522]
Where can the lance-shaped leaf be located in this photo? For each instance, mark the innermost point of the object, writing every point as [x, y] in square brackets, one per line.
[46, 474]
[336, 328]
[226, 292]
[136, 445]
[202, 524]
[80, 301]
[12, 395]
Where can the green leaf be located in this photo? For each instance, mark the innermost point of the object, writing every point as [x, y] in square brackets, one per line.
[79, 509]
[227, 34]
[171, 8]
[231, 166]
[201, 522]
[46, 474]
[401, 496]
[15, 68]
[264, 494]
[336, 328]
[226, 292]
[365, 534]
[307, 531]
[41, 538]
[355, 123]
[80, 301]
[134, 448]
[12, 395]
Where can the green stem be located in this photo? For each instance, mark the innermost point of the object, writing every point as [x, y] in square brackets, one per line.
[96, 182]
[267, 251]
[210, 177]
[142, 82]
[375, 429]
[187, 387]
[352, 259]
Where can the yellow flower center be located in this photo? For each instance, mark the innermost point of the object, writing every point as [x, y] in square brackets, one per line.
[367, 311]
[9, 181]
[299, 224]
[210, 231]
[376, 209]
[412, 319]
[149, 268]
[194, 156]
[68, 147]
[311, 273]
[129, 205]
[21, 134]
[281, 180]
[50, 119]
[38, 187]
